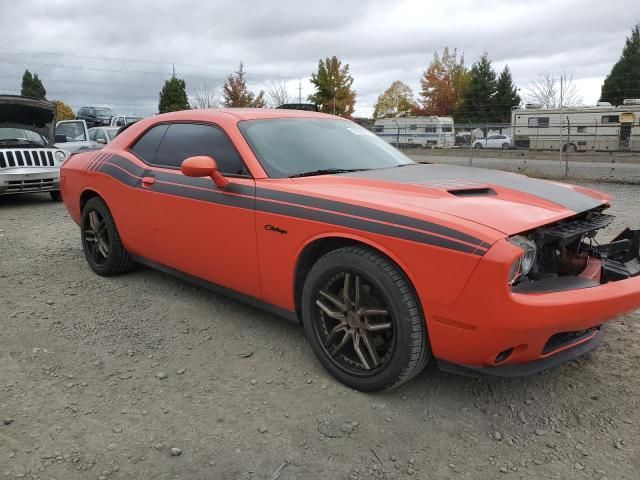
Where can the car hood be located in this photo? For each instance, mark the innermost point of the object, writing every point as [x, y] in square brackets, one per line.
[505, 202]
[29, 114]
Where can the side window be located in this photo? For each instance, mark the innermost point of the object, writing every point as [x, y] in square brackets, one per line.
[184, 140]
[413, 127]
[446, 129]
[147, 145]
[611, 119]
[92, 134]
[430, 129]
[540, 122]
[81, 112]
[378, 129]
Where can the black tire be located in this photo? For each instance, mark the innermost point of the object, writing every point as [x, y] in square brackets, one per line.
[506, 146]
[571, 148]
[477, 145]
[56, 196]
[104, 232]
[408, 345]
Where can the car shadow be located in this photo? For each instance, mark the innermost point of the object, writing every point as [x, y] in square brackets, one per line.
[25, 199]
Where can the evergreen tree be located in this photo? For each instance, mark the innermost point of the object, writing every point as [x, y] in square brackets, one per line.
[506, 97]
[32, 86]
[237, 94]
[624, 79]
[333, 84]
[173, 96]
[478, 102]
[395, 99]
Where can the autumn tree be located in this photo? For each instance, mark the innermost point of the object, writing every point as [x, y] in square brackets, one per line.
[236, 93]
[443, 83]
[173, 96]
[624, 79]
[64, 111]
[394, 100]
[506, 97]
[32, 86]
[333, 88]
[478, 101]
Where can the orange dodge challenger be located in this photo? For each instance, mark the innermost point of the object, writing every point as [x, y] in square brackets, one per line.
[388, 264]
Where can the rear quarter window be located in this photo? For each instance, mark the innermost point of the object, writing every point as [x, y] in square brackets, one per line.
[147, 145]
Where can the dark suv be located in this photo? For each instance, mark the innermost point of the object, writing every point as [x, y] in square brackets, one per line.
[95, 116]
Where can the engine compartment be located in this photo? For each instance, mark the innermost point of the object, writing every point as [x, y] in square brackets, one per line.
[569, 256]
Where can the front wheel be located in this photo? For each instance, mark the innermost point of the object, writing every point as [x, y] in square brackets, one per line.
[101, 242]
[363, 320]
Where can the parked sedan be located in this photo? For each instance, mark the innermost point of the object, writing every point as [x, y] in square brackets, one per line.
[388, 264]
[494, 141]
[103, 135]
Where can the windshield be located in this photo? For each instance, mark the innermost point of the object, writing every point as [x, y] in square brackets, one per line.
[103, 112]
[74, 131]
[20, 135]
[294, 146]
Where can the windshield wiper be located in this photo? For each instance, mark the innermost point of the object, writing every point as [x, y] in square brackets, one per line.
[327, 171]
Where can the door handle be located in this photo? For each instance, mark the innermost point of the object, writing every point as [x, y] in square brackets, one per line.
[148, 181]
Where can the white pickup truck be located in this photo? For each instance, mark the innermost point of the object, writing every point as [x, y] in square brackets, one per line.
[73, 135]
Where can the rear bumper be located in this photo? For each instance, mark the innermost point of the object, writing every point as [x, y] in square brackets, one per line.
[501, 332]
[29, 180]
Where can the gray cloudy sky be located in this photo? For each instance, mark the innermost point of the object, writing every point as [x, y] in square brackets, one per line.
[132, 45]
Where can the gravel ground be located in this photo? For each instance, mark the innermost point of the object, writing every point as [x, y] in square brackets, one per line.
[146, 376]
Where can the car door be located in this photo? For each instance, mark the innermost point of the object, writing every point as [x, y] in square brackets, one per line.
[189, 224]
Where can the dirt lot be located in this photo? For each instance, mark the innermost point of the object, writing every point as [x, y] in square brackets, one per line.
[102, 378]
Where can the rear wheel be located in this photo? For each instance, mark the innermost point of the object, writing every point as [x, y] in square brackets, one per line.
[505, 146]
[477, 145]
[363, 320]
[101, 242]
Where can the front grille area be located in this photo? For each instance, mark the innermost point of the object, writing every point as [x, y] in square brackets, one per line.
[563, 339]
[23, 157]
[31, 185]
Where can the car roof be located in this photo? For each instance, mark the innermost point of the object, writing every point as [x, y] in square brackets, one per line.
[239, 113]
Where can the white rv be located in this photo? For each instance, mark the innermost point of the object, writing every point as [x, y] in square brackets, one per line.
[599, 128]
[437, 132]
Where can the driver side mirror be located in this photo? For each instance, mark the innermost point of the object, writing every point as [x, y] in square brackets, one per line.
[203, 166]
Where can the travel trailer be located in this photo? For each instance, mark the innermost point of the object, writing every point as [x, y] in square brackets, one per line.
[603, 127]
[435, 132]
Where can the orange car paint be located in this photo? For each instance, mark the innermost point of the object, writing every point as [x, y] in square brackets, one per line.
[249, 236]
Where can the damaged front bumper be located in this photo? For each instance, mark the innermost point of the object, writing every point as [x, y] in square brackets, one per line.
[544, 320]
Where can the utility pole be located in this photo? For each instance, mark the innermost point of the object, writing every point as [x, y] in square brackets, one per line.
[299, 91]
[174, 70]
[335, 92]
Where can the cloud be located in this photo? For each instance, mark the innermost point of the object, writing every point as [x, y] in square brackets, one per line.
[133, 45]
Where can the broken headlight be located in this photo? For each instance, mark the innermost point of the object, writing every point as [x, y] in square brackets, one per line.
[523, 265]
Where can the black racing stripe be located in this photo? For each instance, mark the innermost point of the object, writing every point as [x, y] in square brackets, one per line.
[371, 213]
[361, 224]
[205, 195]
[182, 186]
[119, 175]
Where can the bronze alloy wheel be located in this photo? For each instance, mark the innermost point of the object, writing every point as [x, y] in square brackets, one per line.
[355, 323]
[96, 237]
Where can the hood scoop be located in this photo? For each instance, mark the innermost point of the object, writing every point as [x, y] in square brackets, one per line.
[473, 192]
